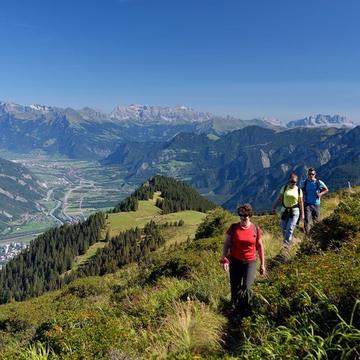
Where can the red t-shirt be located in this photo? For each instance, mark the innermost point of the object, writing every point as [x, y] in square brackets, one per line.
[243, 242]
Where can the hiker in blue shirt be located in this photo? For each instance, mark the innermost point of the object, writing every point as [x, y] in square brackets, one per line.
[313, 189]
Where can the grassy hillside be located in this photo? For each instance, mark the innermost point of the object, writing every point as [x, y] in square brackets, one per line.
[147, 211]
[175, 305]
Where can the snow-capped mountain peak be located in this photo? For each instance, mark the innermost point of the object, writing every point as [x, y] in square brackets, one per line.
[40, 108]
[321, 120]
[159, 114]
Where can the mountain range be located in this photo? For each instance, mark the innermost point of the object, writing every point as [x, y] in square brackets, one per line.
[249, 164]
[231, 160]
[89, 133]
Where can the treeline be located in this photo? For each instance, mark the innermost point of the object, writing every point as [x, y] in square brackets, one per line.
[129, 246]
[40, 267]
[176, 196]
[131, 203]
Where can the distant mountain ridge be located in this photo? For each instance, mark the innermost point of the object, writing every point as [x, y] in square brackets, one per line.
[92, 134]
[144, 114]
[321, 120]
[134, 113]
[248, 164]
[89, 133]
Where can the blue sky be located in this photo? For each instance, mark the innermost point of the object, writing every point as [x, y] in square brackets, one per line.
[249, 58]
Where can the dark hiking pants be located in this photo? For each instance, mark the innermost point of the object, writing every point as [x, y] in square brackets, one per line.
[242, 276]
[312, 214]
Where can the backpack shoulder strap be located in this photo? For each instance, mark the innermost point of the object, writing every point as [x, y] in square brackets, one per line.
[232, 230]
[304, 186]
[283, 194]
[256, 231]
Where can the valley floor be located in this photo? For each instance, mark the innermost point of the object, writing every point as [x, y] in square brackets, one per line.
[73, 190]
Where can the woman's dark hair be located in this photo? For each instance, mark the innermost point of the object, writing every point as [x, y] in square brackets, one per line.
[245, 209]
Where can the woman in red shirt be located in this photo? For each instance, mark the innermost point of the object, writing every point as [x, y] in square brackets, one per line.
[242, 243]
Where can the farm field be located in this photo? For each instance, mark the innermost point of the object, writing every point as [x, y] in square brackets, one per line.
[74, 190]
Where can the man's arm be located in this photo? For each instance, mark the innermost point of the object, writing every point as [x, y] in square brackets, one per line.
[301, 205]
[323, 189]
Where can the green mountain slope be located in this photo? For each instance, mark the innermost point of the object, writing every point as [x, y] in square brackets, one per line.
[19, 192]
[47, 263]
[174, 305]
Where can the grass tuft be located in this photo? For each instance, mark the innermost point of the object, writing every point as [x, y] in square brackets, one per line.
[192, 328]
[37, 351]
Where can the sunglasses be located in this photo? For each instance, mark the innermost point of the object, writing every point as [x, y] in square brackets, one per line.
[311, 173]
[292, 182]
[243, 215]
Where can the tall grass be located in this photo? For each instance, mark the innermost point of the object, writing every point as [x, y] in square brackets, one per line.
[37, 351]
[191, 328]
[302, 338]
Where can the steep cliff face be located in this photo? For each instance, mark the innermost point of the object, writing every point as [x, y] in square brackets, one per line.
[19, 191]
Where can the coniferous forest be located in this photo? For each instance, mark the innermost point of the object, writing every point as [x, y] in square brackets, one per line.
[129, 246]
[176, 196]
[40, 266]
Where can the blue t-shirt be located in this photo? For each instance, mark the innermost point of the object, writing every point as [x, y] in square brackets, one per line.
[312, 190]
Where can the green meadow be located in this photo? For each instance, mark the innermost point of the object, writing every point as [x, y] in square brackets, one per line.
[176, 305]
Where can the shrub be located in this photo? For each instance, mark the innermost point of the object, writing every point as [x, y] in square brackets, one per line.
[14, 325]
[84, 288]
[83, 334]
[215, 223]
[177, 266]
[263, 339]
[340, 227]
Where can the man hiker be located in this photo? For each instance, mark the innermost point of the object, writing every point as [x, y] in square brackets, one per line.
[313, 189]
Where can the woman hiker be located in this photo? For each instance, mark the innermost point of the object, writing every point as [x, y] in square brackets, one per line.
[241, 245]
[291, 199]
